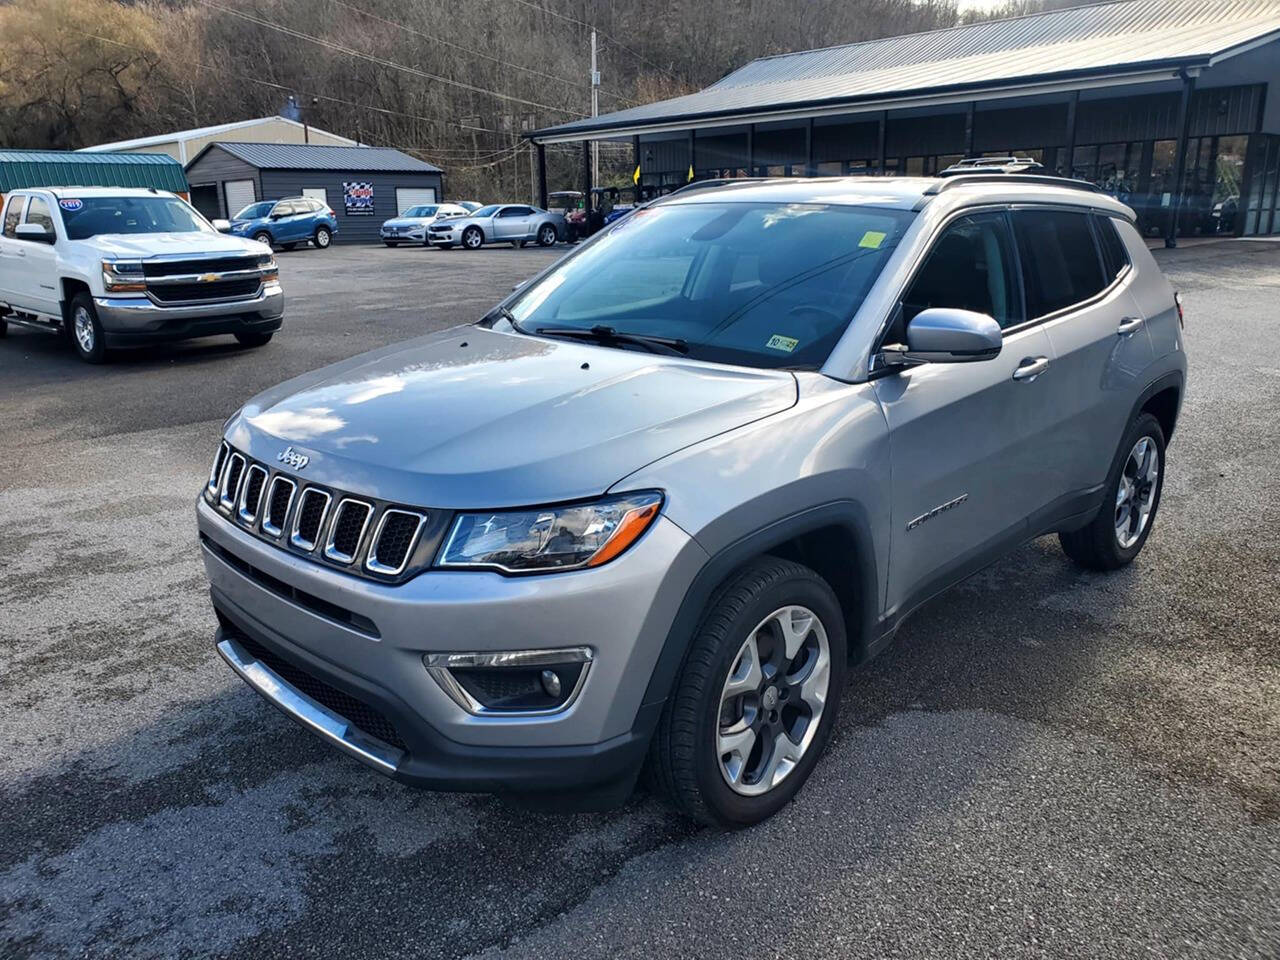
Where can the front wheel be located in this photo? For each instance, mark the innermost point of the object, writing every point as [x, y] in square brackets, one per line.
[1130, 500]
[322, 238]
[546, 235]
[263, 237]
[472, 238]
[756, 699]
[86, 332]
[391, 243]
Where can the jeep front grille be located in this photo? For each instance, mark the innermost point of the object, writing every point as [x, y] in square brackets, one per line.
[364, 536]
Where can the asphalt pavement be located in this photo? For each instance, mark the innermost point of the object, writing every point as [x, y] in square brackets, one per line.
[1047, 762]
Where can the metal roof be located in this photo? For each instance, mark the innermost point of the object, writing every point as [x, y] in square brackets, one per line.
[199, 133]
[299, 156]
[1106, 39]
[48, 168]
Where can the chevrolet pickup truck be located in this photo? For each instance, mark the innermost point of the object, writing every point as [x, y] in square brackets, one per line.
[114, 266]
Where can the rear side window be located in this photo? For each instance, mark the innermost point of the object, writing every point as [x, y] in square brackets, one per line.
[1114, 256]
[11, 214]
[1060, 262]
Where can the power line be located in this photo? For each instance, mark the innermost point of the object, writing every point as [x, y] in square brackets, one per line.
[476, 53]
[351, 51]
[582, 23]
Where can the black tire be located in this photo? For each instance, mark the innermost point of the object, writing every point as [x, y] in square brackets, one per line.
[473, 238]
[391, 243]
[4, 329]
[443, 246]
[254, 338]
[1097, 545]
[546, 235]
[88, 342]
[683, 756]
[322, 238]
[263, 237]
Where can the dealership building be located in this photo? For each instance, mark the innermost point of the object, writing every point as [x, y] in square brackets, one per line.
[1173, 106]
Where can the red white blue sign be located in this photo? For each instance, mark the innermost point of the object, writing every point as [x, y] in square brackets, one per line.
[357, 197]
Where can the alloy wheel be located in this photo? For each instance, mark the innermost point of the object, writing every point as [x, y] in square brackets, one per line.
[773, 699]
[82, 323]
[1136, 493]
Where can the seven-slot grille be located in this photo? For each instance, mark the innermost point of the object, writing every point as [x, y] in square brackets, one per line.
[313, 519]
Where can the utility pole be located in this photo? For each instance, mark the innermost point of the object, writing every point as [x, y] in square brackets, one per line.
[595, 112]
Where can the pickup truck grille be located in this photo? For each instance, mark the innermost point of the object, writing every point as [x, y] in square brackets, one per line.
[193, 292]
[365, 537]
[170, 268]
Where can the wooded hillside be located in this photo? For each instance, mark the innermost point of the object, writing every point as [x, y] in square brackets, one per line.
[452, 81]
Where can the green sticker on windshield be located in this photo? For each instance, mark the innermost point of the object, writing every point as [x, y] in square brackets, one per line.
[872, 239]
[785, 344]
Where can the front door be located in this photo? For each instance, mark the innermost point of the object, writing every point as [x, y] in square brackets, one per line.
[966, 439]
[512, 223]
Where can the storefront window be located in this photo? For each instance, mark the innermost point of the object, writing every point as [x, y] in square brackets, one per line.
[1228, 180]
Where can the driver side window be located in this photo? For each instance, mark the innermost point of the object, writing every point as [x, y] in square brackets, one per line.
[971, 267]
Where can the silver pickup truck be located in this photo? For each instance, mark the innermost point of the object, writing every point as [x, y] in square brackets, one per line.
[115, 266]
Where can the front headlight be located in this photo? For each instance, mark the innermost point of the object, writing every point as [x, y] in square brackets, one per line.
[267, 264]
[568, 537]
[123, 276]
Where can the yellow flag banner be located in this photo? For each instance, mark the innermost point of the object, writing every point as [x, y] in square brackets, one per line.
[691, 173]
[635, 177]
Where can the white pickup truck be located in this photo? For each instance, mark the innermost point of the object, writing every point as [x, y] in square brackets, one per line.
[116, 266]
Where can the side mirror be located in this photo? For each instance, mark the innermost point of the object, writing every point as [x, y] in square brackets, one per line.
[949, 335]
[35, 232]
[222, 226]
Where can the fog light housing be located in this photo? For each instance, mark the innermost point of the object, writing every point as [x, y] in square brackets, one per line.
[511, 682]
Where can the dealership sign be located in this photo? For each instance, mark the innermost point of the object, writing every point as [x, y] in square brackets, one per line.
[358, 197]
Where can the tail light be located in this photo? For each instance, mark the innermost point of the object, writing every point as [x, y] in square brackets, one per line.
[1177, 302]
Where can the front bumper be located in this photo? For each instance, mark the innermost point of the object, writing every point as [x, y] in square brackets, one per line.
[416, 235]
[451, 237]
[623, 610]
[137, 319]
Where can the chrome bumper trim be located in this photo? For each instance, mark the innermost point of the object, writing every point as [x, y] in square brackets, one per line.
[312, 715]
[130, 314]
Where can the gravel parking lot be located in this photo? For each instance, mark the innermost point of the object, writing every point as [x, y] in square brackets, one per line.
[1046, 763]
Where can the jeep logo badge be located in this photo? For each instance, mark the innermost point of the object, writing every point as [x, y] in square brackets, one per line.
[291, 458]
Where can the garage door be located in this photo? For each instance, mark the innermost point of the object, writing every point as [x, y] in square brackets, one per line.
[239, 195]
[407, 197]
[316, 193]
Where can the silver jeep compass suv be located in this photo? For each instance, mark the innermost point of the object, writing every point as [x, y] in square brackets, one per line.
[650, 509]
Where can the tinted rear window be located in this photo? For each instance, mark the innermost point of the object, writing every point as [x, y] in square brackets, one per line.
[1060, 264]
[1114, 256]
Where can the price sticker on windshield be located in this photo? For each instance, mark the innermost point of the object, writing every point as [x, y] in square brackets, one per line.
[72, 205]
[872, 239]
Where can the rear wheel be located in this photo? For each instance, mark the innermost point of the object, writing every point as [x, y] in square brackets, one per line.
[85, 330]
[252, 338]
[756, 699]
[472, 238]
[1132, 496]
[546, 235]
[322, 238]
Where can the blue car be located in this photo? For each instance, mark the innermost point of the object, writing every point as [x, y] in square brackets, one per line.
[287, 223]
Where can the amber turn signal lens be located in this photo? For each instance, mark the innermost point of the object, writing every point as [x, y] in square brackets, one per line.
[633, 524]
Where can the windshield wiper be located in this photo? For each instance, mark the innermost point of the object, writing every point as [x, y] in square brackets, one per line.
[606, 335]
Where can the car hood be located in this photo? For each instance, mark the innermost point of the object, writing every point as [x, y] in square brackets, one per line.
[470, 418]
[408, 221]
[136, 245]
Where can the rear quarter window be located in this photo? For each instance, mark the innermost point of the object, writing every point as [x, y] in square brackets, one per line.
[1061, 265]
[1114, 256]
[12, 211]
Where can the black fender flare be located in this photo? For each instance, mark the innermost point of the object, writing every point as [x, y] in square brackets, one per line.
[849, 515]
[1174, 378]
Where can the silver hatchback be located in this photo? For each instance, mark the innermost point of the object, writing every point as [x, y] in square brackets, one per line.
[653, 507]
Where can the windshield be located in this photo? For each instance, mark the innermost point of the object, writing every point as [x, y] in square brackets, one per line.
[99, 215]
[469, 205]
[488, 211]
[756, 284]
[422, 211]
[255, 211]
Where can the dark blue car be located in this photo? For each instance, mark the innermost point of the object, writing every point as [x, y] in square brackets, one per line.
[287, 223]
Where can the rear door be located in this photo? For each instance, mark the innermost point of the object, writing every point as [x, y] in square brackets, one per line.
[37, 281]
[966, 439]
[1078, 280]
[293, 222]
[10, 261]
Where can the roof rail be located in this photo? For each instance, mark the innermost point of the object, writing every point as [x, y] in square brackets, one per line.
[1009, 164]
[723, 182]
[964, 178]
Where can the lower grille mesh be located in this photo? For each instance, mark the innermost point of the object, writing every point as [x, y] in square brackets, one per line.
[358, 713]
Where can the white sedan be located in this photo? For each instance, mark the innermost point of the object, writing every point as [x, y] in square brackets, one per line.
[411, 226]
[513, 223]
